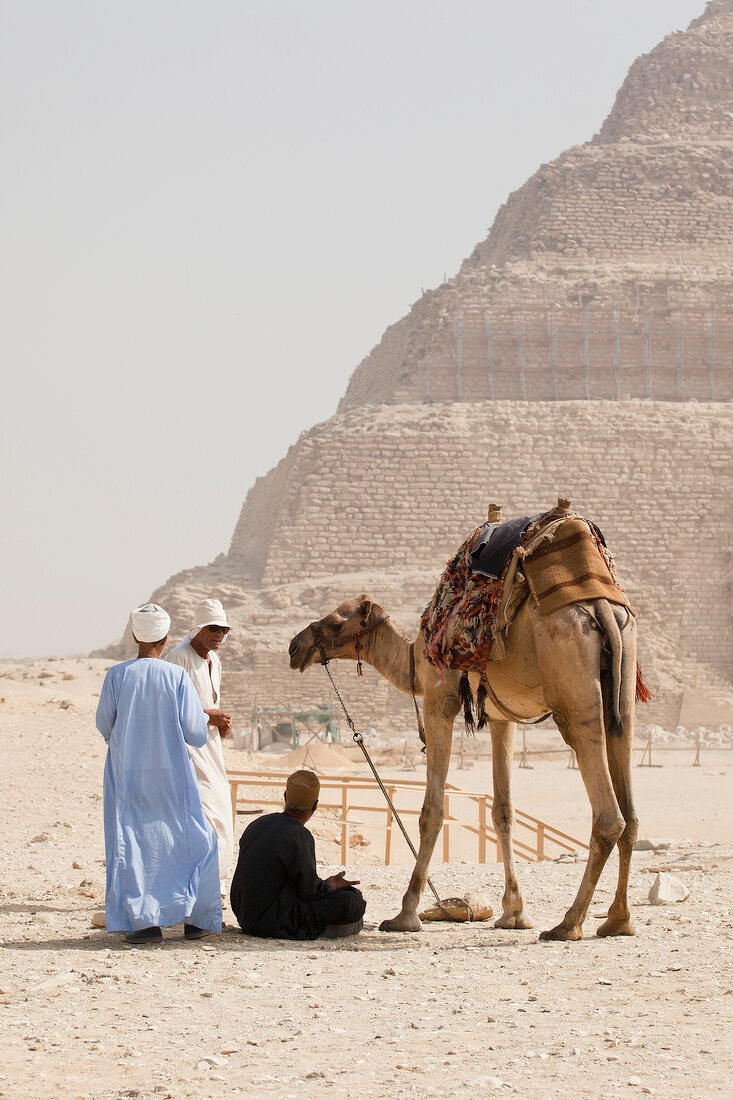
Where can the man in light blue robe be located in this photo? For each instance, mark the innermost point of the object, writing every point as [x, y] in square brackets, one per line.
[162, 860]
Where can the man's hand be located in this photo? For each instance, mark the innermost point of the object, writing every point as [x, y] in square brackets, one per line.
[338, 881]
[222, 721]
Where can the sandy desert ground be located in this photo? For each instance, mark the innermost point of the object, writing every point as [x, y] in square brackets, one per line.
[460, 1010]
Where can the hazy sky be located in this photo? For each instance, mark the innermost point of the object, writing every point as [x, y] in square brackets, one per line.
[210, 213]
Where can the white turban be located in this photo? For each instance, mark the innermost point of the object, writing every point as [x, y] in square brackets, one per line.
[210, 613]
[150, 623]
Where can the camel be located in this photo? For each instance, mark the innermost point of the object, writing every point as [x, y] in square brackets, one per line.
[551, 663]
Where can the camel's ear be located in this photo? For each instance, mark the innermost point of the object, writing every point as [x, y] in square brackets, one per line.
[365, 609]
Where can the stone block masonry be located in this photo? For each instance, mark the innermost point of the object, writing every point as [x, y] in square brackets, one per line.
[379, 499]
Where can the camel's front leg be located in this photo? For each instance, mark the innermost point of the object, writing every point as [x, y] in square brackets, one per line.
[439, 715]
[502, 814]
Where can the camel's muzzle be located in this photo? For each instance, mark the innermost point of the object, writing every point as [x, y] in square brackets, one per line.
[301, 651]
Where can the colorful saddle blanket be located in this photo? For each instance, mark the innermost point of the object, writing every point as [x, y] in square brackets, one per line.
[562, 557]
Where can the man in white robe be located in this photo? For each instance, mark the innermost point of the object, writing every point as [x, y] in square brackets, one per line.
[197, 653]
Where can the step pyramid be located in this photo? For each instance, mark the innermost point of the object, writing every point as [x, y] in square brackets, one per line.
[584, 349]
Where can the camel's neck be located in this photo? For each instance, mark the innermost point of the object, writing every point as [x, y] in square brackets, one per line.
[388, 651]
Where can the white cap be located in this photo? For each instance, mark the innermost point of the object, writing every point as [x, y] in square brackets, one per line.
[150, 623]
[209, 613]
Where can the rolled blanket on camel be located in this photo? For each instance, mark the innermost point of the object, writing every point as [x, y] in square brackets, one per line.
[569, 566]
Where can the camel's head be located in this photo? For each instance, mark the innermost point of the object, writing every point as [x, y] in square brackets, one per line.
[338, 634]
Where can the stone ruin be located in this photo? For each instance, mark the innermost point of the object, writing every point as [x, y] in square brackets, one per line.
[585, 349]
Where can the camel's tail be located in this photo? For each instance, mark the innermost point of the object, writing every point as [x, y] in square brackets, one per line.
[611, 678]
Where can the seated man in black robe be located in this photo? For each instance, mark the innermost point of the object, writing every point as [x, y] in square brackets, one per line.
[276, 891]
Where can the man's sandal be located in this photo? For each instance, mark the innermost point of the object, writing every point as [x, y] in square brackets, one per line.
[144, 935]
[192, 932]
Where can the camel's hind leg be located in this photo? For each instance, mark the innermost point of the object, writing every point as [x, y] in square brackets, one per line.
[502, 814]
[569, 651]
[440, 712]
[618, 922]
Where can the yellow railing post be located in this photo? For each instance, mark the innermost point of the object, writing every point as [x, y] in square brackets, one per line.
[446, 834]
[540, 840]
[388, 835]
[344, 827]
[233, 788]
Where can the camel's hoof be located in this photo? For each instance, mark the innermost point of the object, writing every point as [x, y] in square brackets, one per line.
[513, 920]
[561, 932]
[403, 922]
[613, 927]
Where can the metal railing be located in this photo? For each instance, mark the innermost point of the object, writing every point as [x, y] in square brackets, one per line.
[698, 747]
[529, 350]
[534, 839]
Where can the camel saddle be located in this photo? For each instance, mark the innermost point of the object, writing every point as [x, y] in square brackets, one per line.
[558, 556]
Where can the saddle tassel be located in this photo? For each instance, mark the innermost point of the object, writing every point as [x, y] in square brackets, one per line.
[481, 702]
[466, 696]
[643, 694]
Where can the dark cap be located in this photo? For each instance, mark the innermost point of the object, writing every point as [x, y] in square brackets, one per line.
[302, 790]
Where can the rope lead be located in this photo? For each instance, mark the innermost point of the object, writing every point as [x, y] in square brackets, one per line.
[359, 739]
